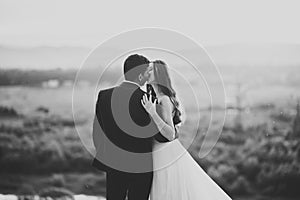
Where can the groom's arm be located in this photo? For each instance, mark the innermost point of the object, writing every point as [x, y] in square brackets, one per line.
[98, 125]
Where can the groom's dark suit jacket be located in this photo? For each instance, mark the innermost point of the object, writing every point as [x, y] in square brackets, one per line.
[123, 130]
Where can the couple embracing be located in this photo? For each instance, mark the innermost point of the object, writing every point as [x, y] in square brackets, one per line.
[135, 133]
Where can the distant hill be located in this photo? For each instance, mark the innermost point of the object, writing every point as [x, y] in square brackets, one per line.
[14, 77]
[33, 77]
[42, 57]
[256, 54]
[66, 57]
[251, 63]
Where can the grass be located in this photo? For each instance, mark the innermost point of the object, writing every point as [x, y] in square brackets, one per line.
[79, 183]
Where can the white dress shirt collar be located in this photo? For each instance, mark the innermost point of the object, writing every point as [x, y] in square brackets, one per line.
[144, 88]
[131, 82]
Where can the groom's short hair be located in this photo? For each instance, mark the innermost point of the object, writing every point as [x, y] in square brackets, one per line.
[134, 65]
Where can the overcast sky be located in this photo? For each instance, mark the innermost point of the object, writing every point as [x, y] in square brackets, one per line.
[87, 23]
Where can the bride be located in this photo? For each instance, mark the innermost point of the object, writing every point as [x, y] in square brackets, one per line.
[176, 174]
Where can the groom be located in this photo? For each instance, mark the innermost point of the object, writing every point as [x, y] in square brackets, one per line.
[122, 125]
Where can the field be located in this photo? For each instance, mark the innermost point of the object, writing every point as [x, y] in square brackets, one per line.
[257, 155]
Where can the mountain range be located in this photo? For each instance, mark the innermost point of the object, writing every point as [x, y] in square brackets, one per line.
[66, 57]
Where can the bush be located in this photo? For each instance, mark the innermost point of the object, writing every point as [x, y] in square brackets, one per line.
[26, 189]
[8, 112]
[57, 180]
[227, 173]
[250, 168]
[56, 192]
[240, 186]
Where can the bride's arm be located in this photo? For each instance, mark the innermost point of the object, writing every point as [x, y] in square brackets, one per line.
[164, 122]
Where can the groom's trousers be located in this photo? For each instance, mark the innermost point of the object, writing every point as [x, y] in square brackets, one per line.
[136, 185]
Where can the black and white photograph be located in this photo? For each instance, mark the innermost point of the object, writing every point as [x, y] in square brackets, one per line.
[158, 100]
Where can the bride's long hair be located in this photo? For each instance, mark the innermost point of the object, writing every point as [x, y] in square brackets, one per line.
[164, 85]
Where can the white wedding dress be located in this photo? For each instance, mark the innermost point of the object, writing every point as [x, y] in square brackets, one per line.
[177, 176]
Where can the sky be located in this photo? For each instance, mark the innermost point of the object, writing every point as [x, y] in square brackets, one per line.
[90, 22]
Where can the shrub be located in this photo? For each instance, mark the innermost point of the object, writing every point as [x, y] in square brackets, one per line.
[57, 180]
[26, 189]
[56, 192]
[240, 186]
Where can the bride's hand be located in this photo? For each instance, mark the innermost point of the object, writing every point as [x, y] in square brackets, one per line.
[149, 106]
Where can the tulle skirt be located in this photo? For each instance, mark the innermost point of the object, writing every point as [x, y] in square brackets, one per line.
[177, 176]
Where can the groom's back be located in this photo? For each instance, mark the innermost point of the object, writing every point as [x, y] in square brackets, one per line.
[126, 125]
[124, 119]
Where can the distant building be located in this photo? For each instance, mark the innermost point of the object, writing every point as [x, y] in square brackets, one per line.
[53, 83]
[296, 126]
[235, 103]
